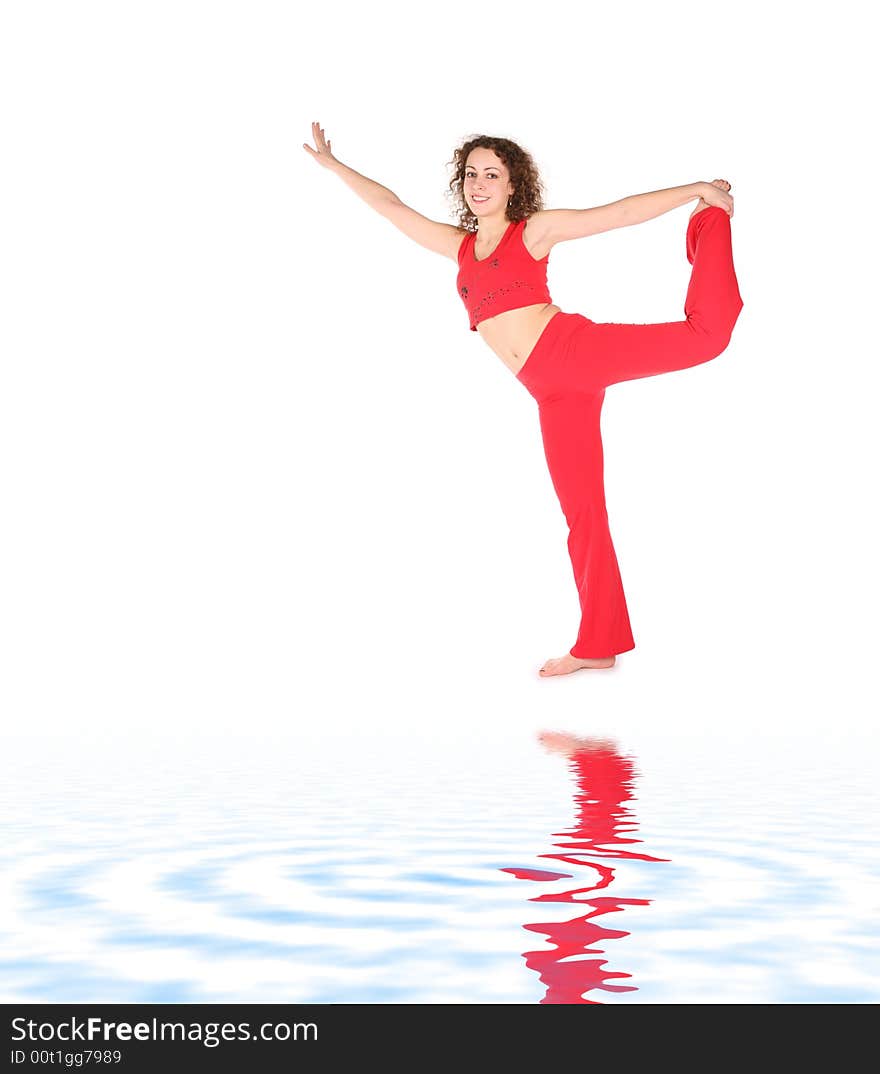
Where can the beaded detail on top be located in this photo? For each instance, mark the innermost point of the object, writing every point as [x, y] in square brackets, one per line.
[508, 279]
[490, 297]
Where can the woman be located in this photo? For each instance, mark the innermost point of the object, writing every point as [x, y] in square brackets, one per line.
[565, 360]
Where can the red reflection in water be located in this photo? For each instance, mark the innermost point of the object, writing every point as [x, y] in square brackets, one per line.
[605, 781]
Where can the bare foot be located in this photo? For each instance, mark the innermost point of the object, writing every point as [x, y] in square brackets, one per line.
[722, 184]
[564, 665]
[563, 742]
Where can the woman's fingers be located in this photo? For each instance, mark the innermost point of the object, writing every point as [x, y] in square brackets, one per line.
[322, 152]
[318, 135]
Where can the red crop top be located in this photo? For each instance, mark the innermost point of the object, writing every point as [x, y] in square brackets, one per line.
[507, 279]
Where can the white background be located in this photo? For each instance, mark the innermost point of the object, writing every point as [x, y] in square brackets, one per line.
[259, 478]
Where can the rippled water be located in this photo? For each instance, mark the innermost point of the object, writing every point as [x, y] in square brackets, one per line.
[546, 868]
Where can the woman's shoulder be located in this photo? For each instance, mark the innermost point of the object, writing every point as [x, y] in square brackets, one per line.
[536, 234]
[537, 220]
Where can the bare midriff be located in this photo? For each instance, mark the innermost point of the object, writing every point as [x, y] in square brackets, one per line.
[513, 334]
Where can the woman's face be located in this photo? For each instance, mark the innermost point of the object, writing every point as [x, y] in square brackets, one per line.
[486, 177]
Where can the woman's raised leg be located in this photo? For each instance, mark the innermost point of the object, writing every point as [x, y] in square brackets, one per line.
[610, 353]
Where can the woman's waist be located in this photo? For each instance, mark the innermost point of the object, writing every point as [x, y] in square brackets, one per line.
[517, 331]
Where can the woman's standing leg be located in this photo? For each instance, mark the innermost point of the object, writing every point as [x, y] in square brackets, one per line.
[570, 428]
[603, 354]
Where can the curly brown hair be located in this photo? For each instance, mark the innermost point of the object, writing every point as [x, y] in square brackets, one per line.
[527, 197]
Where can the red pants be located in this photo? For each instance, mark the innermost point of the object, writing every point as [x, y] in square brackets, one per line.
[567, 372]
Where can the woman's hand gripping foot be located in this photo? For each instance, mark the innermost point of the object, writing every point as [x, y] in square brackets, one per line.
[564, 665]
[725, 201]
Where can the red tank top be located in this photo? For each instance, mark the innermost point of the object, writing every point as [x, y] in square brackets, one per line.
[505, 280]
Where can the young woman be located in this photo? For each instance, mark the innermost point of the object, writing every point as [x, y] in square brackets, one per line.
[565, 360]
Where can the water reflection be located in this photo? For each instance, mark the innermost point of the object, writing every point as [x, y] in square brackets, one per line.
[603, 830]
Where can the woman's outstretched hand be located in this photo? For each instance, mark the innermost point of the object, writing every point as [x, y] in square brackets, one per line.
[322, 152]
[716, 193]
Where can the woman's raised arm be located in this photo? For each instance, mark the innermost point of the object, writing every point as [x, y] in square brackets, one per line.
[559, 225]
[374, 194]
[440, 238]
